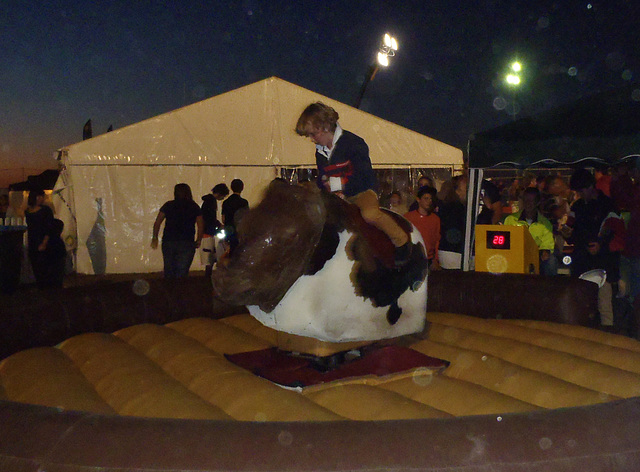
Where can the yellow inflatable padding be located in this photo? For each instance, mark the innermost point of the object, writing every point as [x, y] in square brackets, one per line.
[513, 380]
[365, 403]
[617, 357]
[218, 336]
[208, 374]
[132, 384]
[252, 326]
[45, 376]
[247, 399]
[582, 332]
[583, 372]
[444, 393]
[179, 371]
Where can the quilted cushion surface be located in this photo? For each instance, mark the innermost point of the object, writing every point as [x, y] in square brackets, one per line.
[179, 371]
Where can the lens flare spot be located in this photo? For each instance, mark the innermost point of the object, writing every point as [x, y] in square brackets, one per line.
[499, 103]
[545, 443]
[543, 22]
[422, 377]
[497, 264]
[285, 438]
[141, 287]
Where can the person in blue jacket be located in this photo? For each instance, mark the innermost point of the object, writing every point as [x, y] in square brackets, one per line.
[344, 167]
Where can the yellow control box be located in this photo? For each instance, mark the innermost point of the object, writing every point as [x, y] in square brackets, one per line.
[506, 249]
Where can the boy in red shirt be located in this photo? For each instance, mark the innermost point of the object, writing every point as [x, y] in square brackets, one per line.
[428, 223]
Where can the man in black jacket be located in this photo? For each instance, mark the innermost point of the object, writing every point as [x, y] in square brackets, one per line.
[231, 208]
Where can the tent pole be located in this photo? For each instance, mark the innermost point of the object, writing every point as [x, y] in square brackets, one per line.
[473, 198]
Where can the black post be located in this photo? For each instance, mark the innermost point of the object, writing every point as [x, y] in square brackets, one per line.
[370, 75]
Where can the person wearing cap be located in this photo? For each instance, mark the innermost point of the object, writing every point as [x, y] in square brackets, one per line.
[344, 168]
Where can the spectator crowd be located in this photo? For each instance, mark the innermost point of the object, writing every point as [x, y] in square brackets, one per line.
[586, 221]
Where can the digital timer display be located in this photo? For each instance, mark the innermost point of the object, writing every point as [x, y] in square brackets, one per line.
[498, 240]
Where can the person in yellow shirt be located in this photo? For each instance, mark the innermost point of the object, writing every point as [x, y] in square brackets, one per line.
[540, 229]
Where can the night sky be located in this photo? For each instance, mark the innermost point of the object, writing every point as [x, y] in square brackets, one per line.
[119, 62]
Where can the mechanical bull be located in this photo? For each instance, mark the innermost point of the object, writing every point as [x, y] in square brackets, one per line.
[307, 264]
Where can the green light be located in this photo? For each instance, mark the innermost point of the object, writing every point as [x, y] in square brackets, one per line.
[516, 66]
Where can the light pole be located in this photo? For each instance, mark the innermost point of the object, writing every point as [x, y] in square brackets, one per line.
[387, 49]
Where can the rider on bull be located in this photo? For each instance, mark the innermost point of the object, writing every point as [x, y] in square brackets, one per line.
[344, 167]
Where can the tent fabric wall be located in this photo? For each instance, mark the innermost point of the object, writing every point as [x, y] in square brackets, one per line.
[246, 133]
[131, 198]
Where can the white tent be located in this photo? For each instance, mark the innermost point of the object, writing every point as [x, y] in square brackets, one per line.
[112, 186]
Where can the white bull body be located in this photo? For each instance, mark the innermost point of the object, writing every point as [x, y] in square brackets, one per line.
[325, 305]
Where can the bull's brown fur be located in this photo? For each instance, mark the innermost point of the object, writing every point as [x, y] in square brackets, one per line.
[277, 239]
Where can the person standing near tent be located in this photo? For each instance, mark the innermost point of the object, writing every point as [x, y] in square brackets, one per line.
[5, 210]
[39, 225]
[178, 245]
[344, 167]
[211, 225]
[230, 208]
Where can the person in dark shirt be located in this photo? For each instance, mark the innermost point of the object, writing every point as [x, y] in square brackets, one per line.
[211, 225]
[232, 208]
[210, 208]
[182, 215]
[39, 224]
[234, 203]
[591, 245]
[344, 168]
[5, 209]
[590, 210]
[453, 214]
[491, 212]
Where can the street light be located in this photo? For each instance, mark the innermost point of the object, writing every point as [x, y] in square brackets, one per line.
[513, 80]
[387, 49]
[513, 77]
